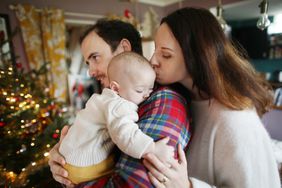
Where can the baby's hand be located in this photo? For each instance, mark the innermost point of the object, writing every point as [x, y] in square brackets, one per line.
[163, 151]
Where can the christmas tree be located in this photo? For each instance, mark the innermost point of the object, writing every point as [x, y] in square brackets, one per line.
[30, 123]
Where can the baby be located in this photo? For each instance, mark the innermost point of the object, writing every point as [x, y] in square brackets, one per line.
[109, 118]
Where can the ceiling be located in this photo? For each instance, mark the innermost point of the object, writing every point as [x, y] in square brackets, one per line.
[236, 10]
[249, 9]
[160, 3]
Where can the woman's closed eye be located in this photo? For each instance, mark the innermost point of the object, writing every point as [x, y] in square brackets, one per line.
[166, 56]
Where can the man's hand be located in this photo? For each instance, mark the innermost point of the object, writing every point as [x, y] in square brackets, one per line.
[56, 162]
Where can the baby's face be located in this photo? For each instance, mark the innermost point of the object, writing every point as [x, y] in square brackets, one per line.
[137, 89]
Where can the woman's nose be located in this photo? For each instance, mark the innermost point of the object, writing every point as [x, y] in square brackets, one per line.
[153, 61]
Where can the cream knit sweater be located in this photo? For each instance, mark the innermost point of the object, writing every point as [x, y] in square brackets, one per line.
[106, 120]
[230, 149]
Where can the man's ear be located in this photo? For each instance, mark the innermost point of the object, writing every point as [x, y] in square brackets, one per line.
[125, 45]
[114, 86]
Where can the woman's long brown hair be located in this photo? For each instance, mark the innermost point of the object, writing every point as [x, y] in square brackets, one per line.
[215, 65]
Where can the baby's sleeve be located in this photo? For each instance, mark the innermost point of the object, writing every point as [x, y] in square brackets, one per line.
[124, 131]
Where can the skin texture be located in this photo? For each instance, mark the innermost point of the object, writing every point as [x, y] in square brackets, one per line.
[97, 55]
[176, 174]
[131, 76]
[168, 58]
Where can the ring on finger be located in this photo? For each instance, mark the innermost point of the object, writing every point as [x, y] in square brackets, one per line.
[164, 180]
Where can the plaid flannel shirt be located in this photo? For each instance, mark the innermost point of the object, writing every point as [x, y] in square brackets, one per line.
[163, 114]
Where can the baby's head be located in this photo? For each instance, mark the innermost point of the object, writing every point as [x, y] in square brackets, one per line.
[131, 76]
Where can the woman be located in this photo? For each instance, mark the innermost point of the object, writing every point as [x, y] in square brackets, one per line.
[229, 147]
[163, 114]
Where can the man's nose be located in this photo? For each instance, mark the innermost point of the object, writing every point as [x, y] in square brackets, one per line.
[92, 71]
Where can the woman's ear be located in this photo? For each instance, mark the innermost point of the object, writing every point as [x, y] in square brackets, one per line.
[114, 86]
[125, 45]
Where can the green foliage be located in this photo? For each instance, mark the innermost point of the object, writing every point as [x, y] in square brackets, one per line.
[30, 121]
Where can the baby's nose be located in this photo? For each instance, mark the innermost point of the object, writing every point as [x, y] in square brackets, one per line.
[146, 96]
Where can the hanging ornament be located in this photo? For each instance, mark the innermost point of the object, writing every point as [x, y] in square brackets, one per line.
[2, 124]
[19, 65]
[55, 135]
[127, 13]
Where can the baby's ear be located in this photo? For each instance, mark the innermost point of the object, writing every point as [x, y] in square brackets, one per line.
[114, 86]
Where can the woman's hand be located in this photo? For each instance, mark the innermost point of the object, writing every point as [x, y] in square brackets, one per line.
[162, 176]
[56, 162]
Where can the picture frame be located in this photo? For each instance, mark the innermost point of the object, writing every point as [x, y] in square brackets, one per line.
[81, 87]
[5, 39]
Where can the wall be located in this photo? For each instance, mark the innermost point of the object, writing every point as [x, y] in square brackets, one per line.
[84, 6]
[273, 123]
[196, 3]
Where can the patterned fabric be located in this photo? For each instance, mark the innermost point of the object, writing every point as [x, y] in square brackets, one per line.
[163, 114]
[44, 40]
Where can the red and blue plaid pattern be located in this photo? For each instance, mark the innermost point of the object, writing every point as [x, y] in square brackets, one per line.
[163, 114]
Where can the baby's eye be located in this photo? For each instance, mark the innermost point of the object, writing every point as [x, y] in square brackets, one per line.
[139, 91]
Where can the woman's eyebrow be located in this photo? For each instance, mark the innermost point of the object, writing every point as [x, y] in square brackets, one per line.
[167, 48]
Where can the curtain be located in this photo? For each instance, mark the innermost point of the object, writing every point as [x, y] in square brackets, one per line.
[43, 33]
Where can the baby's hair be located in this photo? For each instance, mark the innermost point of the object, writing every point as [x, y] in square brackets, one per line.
[127, 64]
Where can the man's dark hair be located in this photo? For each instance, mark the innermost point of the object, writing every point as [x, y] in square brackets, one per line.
[113, 31]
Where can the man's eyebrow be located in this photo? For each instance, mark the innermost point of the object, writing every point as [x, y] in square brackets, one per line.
[90, 55]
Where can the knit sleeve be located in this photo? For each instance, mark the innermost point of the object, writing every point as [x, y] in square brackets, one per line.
[243, 155]
[123, 130]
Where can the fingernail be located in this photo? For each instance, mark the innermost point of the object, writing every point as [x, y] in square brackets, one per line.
[65, 174]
